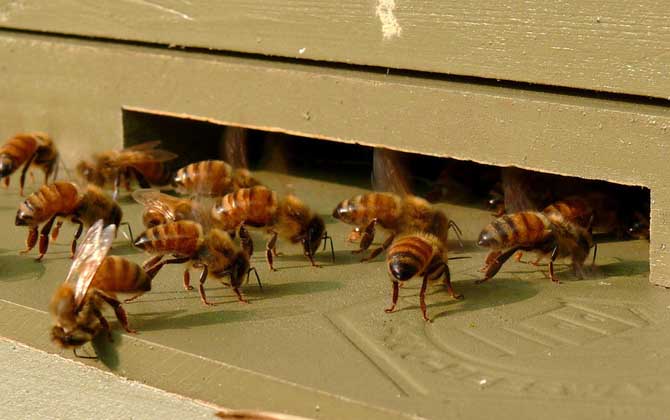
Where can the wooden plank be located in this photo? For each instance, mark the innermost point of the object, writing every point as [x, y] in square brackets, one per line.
[619, 47]
[82, 87]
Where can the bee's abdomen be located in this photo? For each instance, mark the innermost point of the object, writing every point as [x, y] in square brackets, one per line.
[408, 256]
[117, 274]
[253, 206]
[181, 238]
[20, 148]
[211, 177]
[59, 197]
[522, 228]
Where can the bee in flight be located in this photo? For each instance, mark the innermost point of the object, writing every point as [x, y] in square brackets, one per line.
[212, 178]
[418, 254]
[61, 200]
[95, 279]
[143, 162]
[30, 150]
[549, 235]
[395, 214]
[214, 252]
[259, 207]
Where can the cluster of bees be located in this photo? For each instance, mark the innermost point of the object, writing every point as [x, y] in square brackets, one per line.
[206, 227]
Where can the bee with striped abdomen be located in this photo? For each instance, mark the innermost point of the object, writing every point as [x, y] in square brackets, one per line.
[395, 214]
[94, 279]
[28, 150]
[418, 254]
[64, 200]
[214, 252]
[160, 208]
[212, 178]
[553, 236]
[143, 162]
[287, 217]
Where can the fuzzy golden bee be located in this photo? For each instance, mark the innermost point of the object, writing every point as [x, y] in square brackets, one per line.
[259, 207]
[395, 214]
[212, 178]
[95, 279]
[550, 236]
[214, 252]
[418, 254]
[160, 208]
[64, 200]
[30, 150]
[143, 162]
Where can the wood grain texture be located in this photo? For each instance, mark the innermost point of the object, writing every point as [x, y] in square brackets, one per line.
[618, 46]
[82, 87]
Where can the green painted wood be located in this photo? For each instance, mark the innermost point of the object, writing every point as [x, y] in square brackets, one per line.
[619, 46]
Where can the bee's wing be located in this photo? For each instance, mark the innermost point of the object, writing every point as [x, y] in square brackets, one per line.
[150, 198]
[88, 257]
[389, 172]
[149, 145]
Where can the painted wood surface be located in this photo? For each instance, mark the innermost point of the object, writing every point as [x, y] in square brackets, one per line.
[616, 46]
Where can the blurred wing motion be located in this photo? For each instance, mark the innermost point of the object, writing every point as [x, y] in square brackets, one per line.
[90, 254]
[389, 172]
[156, 200]
[256, 415]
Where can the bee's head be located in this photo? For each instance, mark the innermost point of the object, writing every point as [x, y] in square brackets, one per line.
[86, 170]
[7, 165]
[489, 238]
[344, 211]
[315, 230]
[71, 339]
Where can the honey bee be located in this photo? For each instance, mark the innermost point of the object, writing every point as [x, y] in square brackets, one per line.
[213, 251]
[259, 207]
[160, 208]
[63, 200]
[212, 178]
[547, 235]
[28, 150]
[421, 254]
[143, 162]
[395, 214]
[94, 278]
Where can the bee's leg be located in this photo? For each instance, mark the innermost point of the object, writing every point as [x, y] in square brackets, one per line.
[6, 182]
[118, 311]
[187, 279]
[104, 323]
[139, 177]
[148, 264]
[22, 180]
[239, 295]
[203, 277]
[56, 229]
[447, 283]
[246, 241]
[31, 240]
[367, 238]
[126, 180]
[269, 247]
[32, 177]
[258, 279]
[491, 257]
[495, 261]
[377, 251]
[328, 238]
[554, 254]
[595, 252]
[44, 237]
[457, 231]
[422, 298]
[394, 298]
[355, 235]
[77, 234]
[518, 256]
[309, 255]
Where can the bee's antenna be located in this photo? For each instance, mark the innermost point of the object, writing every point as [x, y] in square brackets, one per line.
[258, 279]
[457, 231]
[327, 237]
[61, 162]
[130, 231]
